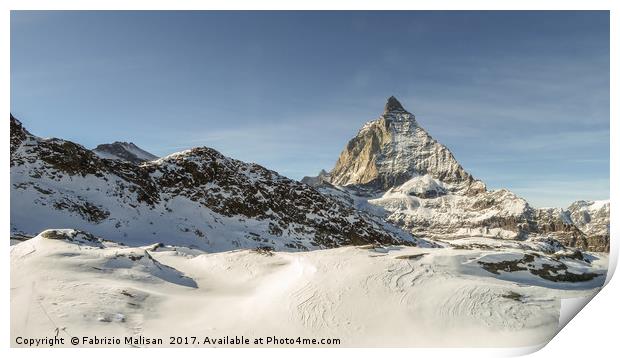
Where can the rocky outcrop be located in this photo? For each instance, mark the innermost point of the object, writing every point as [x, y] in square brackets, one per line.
[584, 224]
[556, 223]
[18, 133]
[591, 217]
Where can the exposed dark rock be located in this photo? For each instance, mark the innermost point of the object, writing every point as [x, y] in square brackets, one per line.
[552, 270]
[393, 105]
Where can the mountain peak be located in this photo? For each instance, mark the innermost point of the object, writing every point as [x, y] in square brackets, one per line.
[393, 105]
[393, 149]
[126, 151]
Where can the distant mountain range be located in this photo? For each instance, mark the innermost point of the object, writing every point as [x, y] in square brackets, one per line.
[392, 184]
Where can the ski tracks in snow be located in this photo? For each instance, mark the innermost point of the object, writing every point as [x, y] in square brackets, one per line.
[488, 306]
[316, 308]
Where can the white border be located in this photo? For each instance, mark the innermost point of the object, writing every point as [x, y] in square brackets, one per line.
[592, 332]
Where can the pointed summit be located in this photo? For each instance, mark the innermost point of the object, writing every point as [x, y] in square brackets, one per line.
[393, 105]
[393, 149]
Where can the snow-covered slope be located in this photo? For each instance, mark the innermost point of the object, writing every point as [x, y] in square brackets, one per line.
[196, 198]
[479, 293]
[450, 215]
[124, 151]
[393, 168]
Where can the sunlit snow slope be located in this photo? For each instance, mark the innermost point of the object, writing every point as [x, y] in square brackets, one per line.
[480, 292]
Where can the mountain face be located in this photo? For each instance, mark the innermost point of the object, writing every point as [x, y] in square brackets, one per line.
[584, 224]
[393, 168]
[592, 217]
[196, 198]
[124, 151]
[391, 150]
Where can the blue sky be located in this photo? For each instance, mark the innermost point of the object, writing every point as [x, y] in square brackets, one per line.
[521, 98]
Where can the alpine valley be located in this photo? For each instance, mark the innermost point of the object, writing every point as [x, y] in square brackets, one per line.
[397, 245]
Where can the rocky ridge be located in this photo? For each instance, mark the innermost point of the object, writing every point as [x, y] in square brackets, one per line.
[197, 198]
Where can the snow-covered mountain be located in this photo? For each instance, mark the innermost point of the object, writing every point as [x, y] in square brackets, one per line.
[124, 151]
[393, 168]
[389, 151]
[586, 221]
[196, 198]
[591, 217]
